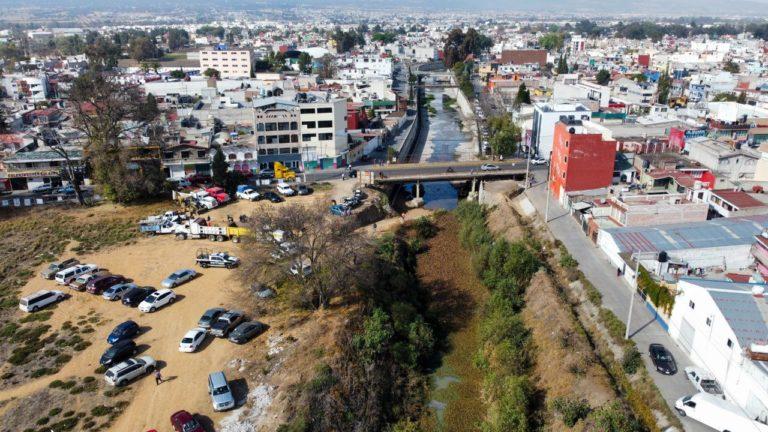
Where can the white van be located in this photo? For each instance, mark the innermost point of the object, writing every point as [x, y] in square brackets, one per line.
[66, 276]
[39, 300]
[717, 413]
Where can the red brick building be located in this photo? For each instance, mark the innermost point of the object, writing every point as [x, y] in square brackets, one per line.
[580, 160]
[521, 57]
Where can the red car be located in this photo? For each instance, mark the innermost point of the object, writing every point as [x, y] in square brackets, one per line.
[219, 193]
[101, 283]
[182, 421]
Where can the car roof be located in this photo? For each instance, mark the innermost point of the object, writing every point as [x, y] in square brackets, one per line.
[194, 331]
[126, 323]
[212, 310]
[218, 378]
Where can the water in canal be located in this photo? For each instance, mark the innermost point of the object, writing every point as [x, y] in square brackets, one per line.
[445, 142]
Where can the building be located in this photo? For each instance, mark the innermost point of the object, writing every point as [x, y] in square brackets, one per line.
[723, 327]
[652, 210]
[28, 170]
[580, 160]
[725, 159]
[229, 63]
[32, 87]
[731, 203]
[523, 57]
[690, 247]
[277, 136]
[185, 159]
[545, 116]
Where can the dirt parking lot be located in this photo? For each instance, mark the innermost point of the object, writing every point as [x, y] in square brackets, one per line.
[148, 261]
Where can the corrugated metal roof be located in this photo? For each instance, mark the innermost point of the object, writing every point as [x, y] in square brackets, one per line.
[697, 235]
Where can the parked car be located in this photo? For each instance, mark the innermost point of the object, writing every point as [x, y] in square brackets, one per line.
[66, 276]
[66, 190]
[273, 197]
[124, 331]
[157, 300]
[221, 394]
[248, 194]
[117, 352]
[339, 209]
[301, 268]
[267, 174]
[192, 340]
[116, 292]
[81, 281]
[716, 413]
[136, 295]
[662, 359]
[103, 283]
[247, 331]
[43, 189]
[489, 167]
[182, 421]
[704, 382]
[178, 277]
[226, 323]
[218, 259]
[124, 372]
[286, 190]
[55, 267]
[303, 189]
[538, 161]
[209, 317]
[40, 299]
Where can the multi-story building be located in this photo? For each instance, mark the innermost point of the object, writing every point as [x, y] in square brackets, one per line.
[28, 170]
[324, 131]
[185, 159]
[32, 87]
[545, 116]
[277, 136]
[580, 161]
[229, 63]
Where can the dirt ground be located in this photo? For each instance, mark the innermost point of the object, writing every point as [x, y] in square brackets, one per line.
[260, 369]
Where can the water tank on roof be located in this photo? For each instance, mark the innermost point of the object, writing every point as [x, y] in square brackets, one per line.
[662, 257]
[571, 131]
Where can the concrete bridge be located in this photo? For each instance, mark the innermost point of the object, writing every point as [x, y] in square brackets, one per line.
[446, 171]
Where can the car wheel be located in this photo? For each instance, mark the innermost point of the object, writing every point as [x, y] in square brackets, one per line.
[34, 309]
[171, 300]
[681, 412]
[204, 265]
[152, 309]
[150, 369]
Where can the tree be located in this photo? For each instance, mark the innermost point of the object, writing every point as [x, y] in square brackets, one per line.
[212, 73]
[663, 86]
[724, 97]
[177, 38]
[178, 74]
[106, 111]
[4, 128]
[305, 62]
[143, 48]
[70, 171]
[326, 69]
[562, 65]
[505, 135]
[458, 45]
[71, 45]
[277, 61]
[331, 246]
[603, 77]
[523, 96]
[219, 167]
[552, 41]
[102, 54]
[731, 66]
[742, 98]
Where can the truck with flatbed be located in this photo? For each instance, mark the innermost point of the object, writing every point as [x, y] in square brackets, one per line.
[206, 258]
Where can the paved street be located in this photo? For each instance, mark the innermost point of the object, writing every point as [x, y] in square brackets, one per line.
[644, 330]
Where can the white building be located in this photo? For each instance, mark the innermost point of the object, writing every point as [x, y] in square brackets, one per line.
[723, 158]
[366, 66]
[229, 63]
[32, 87]
[545, 116]
[723, 326]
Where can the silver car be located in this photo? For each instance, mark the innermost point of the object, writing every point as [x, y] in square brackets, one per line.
[221, 394]
[116, 292]
[122, 373]
[178, 277]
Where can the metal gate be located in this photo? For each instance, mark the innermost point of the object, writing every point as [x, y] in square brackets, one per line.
[687, 333]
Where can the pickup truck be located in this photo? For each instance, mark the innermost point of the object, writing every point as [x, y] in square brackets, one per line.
[219, 259]
[219, 194]
[55, 267]
[226, 323]
[200, 229]
[152, 228]
[248, 194]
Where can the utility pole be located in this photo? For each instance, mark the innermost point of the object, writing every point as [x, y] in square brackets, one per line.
[636, 256]
[549, 174]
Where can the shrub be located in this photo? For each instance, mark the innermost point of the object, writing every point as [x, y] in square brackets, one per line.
[68, 414]
[37, 316]
[567, 261]
[56, 384]
[42, 420]
[593, 295]
[613, 324]
[572, 410]
[100, 410]
[63, 358]
[631, 361]
[8, 329]
[659, 295]
[425, 228]
[54, 412]
[323, 379]
[37, 373]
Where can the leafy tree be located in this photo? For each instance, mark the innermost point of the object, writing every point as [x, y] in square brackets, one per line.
[178, 74]
[102, 54]
[664, 84]
[523, 96]
[603, 77]
[305, 62]
[143, 48]
[459, 45]
[552, 41]
[326, 69]
[177, 38]
[219, 167]
[347, 40]
[70, 45]
[4, 128]
[724, 97]
[731, 66]
[277, 60]
[207, 30]
[562, 65]
[505, 135]
[742, 98]
[387, 37]
[212, 73]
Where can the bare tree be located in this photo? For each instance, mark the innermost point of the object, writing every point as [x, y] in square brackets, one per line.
[313, 239]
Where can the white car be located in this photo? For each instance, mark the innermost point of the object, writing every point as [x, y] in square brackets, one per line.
[249, 194]
[40, 299]
[123, 372]
[157, 299]
[192, 340]
[489, 167]
[538, 161]
[703, 381]
[286, 190]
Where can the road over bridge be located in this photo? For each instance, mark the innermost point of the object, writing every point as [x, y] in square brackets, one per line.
[445, 171]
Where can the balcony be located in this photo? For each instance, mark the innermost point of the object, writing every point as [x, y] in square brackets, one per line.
[760, 254]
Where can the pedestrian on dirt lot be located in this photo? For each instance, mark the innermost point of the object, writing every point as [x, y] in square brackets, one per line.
[158, 377]
[618, 271]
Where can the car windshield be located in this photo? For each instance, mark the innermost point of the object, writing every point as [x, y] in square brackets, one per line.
[174, 276]
[150, 299]
[53, 267]
[186, 340]
[220, 390]
[189, 426]
[664, 356]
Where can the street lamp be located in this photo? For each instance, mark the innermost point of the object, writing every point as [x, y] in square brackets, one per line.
[636, 256]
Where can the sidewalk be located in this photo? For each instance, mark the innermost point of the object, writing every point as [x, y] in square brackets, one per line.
[644, 329]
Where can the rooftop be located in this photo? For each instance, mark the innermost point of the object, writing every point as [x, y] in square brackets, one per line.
[738, 199]
[697, 235]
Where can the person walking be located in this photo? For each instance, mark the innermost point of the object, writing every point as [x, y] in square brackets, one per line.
[158, 377]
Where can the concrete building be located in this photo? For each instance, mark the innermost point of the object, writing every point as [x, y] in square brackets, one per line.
[32, 87]
[229, 63]
[187, 158]
[580, 160]
[277, 136]
[731, 203]
[723, 326]
[545, 116]
[652, 210]
[522, 57]
[724, 159]
[28, 170]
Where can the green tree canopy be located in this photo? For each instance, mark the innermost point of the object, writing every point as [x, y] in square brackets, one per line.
[603, 77]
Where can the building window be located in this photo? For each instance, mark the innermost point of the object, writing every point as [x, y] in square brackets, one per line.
[325, 136]
[563, 174]
[285, 150]
[566, 144]
[231, 156]
[309, 124]
[262, 152]
[294, 126]
[307, 110]
[201, 153]
[565, 159]
[324, 110]
[691, 304]
[729, 343]
[709, 322]
[308, 137]
[248, 156]
[185, 154]
[325, 123]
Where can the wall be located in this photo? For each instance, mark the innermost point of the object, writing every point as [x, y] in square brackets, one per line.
[580, 161]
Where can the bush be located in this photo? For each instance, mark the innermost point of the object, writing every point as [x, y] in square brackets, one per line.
[659, 295]
[65, 425]
[613, 324]
[7, 375]
[37, 316]
[101, 410]
[42, 420]
[567, 261]
[54, 412]
[323, 379]
[68, 414]
[593, 295]
[425, 228]
[572, 410]
[631, 361]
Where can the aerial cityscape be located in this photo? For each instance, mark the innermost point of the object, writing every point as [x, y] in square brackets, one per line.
[302, 216]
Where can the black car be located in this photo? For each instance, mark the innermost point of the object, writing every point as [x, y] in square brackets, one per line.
[209, 317]
[266, 174]
[273, 197]
[662, 359]
[118, 352]
[303, 190]
[137, 295]
[247, 331]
